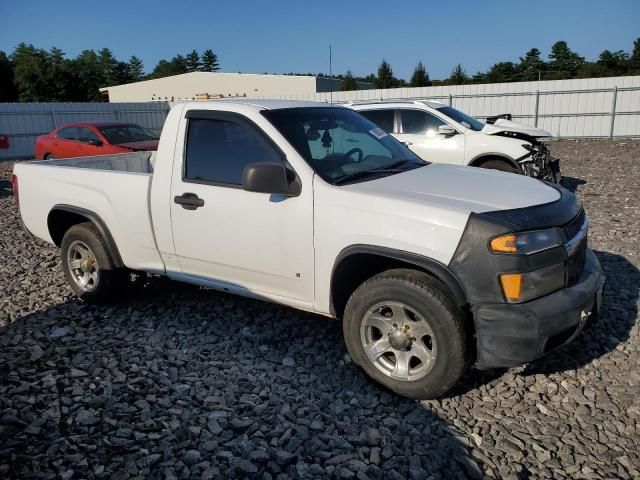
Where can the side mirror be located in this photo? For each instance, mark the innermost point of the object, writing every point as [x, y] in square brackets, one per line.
[270, 177]
[95, 143]
[447, 130]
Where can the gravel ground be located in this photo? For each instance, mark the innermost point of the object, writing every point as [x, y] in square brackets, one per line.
[180, 382]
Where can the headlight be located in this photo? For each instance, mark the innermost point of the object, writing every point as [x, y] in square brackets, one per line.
[527, 242]
[520, 287]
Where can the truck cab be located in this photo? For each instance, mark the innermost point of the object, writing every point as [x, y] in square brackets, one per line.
[430, 267]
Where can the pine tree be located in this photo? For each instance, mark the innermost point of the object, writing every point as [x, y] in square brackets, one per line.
[209, 61]
[531, 66]
[348, 82]
[136, 68]
[565, 63]
[634, 59]
[420, 77]
[192, 61]
[385, 76]
[109, 65]
[8, 92]
[458, 75]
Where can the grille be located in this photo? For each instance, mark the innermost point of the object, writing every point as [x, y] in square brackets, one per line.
[573, 227]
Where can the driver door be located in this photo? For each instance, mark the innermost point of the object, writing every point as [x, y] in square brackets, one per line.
[238, 239]
[419, 131]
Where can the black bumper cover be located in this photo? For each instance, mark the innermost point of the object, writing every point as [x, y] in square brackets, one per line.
[512, 334]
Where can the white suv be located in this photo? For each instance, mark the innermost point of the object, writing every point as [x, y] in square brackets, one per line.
[440, 133]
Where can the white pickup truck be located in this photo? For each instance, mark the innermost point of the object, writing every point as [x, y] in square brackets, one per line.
[431, 267]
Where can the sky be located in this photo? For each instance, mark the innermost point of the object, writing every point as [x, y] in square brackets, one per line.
[294, 35]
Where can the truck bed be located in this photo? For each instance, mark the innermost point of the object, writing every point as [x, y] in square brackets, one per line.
[114, 187]
[135, 162]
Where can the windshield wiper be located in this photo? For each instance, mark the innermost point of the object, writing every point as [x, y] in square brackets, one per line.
[364, 173]
[391, 168]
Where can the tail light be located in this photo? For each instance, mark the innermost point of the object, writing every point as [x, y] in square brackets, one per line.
[16, 192]
[4, 141]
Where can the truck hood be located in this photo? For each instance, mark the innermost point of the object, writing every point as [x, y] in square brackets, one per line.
[503, 125]
[466, 188]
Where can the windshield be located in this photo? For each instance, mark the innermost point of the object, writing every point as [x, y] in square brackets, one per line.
[462, 118]
[341, 145]
[117, 134]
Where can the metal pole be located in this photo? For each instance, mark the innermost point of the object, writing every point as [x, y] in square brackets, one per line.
[613, 111]
[535, 113]
[55, 121]
[450, 100]
[117, 112]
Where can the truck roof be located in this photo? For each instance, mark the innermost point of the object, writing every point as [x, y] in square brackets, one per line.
[266, 104]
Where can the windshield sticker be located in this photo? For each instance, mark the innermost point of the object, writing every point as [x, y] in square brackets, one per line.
[378, 133]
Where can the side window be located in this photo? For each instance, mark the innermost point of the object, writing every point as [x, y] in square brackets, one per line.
[86, 136]
[419, 122]
[382, 118]
[68, 133]
[218, 150]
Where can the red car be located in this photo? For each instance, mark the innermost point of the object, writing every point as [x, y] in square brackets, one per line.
[82, 139]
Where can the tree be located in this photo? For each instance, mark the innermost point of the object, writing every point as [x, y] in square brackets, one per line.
[531, 66]
[348, 82]
[420, 77]
[565, 63]
[108, 65]
[136, 68]
[176, 66]
[209, 61]
[615, 63]
[192, 61]
[89, 77]
[634, 59]
[385, 77]
[501, 72]
[8, 92]
[458, 75]
[30, 66]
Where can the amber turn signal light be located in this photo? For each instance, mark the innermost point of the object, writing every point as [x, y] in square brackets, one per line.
[504, 244]
[511, 286]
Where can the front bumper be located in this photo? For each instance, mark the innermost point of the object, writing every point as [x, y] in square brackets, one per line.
[513, 334]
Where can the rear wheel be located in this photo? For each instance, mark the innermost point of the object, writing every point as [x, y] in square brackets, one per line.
[499, 165]
[88, 267]
[49, 156]
[404, 331]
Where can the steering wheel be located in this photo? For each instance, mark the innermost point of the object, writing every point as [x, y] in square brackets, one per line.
[352, 151]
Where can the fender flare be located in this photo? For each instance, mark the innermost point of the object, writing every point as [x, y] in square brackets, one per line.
[94, 218]
[433, 267]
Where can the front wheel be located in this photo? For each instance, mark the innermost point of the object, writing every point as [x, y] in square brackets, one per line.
[88, 267]
[499, 165]
[404, 331]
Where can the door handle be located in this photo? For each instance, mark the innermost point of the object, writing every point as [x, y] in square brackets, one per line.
[189, 201]
[407, 144]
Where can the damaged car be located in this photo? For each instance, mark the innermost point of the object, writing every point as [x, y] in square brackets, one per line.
[442, 134]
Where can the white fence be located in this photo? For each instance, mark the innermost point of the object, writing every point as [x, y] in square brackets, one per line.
[23, 122]
[590, 107]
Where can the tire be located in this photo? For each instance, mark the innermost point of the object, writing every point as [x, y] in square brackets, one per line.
[499, 165]
[49, 156]
[88, 267]
[415, 299]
